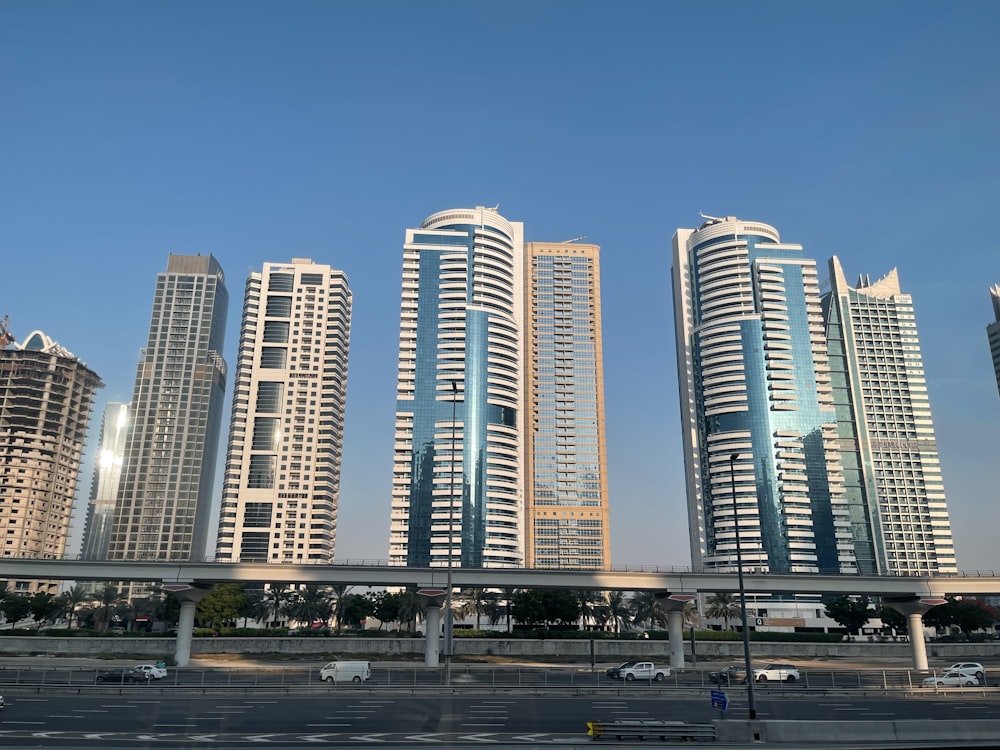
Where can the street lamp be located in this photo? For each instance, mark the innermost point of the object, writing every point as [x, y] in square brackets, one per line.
[448, 618]
[743, 594]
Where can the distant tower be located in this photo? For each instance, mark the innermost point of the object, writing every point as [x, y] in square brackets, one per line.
[755, 385]
[104, 485]
[566, 492]
[279, 501]
[993, 332]
[892, 473]
[46, 396]
[459, 354]
[163, 509]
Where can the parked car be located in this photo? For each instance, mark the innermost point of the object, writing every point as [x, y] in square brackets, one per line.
[953, 678]
[968, 666]
[152, 671]
[727, 676]
[121, 675]
[777, 672]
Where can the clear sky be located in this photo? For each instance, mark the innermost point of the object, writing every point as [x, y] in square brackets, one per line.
[262, 131]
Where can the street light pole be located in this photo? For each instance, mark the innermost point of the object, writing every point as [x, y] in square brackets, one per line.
[448, 621]
[743, 594]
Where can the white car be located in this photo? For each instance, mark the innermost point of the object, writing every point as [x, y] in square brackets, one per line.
[952, 678]
[152, 671]
[968, 666]
[776, 672]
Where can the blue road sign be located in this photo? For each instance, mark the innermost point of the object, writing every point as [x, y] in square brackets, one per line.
[719, 700]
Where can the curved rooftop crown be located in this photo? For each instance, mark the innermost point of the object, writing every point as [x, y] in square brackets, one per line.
[39, 342]
[715, 226]
[480, 215]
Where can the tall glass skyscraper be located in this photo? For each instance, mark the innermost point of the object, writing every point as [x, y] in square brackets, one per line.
[279, 502]
[104, 485]
[892, 473]
[566, 492]
[457, 489]
[993, 331]
[163, 510]
[46, 395]
[759, 427]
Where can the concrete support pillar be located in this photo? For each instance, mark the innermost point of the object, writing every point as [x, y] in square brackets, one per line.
[435, 598]
[914, 608]
[673, 605]
[432, 648]
[188, 595]
[675, 629]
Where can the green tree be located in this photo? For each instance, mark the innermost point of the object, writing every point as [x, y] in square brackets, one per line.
[723, 606]
[527, 608]
[618, 611]
[386, 607]
[311, 604]
[892, 619]
[850, 613]
[15, 608]
[972, 615]
[71, 599]
[475, 601]
[43, 606]
[411, 608]
[276, 596]
[357, 608]
[255, 607]
[339, 593]
[592, 607]
[221, 605]
[108, 596]
[546, 606]
[647, 609]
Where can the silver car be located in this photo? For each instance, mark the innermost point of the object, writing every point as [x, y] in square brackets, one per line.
[953, 678]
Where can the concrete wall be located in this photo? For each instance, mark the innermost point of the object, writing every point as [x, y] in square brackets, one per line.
[404, 648]
[884, 733]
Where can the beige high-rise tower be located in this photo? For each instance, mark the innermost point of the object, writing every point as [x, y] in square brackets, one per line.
[46, 395]
[565, 456]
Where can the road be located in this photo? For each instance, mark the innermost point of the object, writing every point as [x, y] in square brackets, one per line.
[347, 716]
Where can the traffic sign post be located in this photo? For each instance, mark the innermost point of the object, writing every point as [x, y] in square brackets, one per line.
[720, 701]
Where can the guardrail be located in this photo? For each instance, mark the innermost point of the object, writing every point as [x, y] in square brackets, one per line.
[642, 728]
[482, 676]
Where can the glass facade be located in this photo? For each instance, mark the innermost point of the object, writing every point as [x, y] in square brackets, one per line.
[756, 405]
[457, 484]
[993, 332]
[163, 508]
[565, 458]
[104, 486]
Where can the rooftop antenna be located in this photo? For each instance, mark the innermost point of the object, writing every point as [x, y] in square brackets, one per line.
[575, 239]
[703, 215]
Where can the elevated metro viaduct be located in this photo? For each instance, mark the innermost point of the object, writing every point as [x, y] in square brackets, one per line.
[189, 581]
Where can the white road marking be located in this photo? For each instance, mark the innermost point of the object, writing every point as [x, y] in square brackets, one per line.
[328, 725]
[28, 722]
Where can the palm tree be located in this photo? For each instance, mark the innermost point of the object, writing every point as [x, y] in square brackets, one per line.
[723, 606]
[617, 612]
[277, 597]
[339, 594]
[72, 598]
[690, 615]
[107, 597]
[411, 608]
[310, 605]
[474, 601]
[591, 607]
[647, 609]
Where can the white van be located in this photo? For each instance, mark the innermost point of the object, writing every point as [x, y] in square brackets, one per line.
[346, 671]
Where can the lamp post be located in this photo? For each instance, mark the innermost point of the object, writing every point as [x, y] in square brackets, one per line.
[743, 594]
[448, 619]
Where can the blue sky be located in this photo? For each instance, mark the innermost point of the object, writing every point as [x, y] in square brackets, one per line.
[262, 131]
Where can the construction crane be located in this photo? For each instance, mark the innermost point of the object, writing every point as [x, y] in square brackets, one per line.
[575, 239]
[6, 337]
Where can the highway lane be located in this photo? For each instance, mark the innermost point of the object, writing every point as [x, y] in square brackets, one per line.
[339, 716]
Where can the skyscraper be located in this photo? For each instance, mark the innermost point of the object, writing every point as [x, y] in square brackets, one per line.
[566, 492]
[163, 509]
[279, 501]
[892, 473]
[993, 332]
[104, 485]
[457, 489]
[759, 427]
[46, 395]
